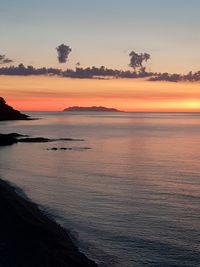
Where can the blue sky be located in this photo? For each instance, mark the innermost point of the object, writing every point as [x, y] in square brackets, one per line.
[102, 32]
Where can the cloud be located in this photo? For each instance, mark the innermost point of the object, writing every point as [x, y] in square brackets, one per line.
[136, 60]
[63, 52]
[5, 60]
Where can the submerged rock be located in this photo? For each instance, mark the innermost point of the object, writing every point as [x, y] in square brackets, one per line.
[59, 148]
[9, 113]
[69, 148]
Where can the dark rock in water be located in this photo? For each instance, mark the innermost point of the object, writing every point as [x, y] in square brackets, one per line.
[34, 140]
[45, 140]
[53, 148]
[70, 139]
[7, 139]
[69, 148]
[28, 238]
[17, 135]
[91, 109]
[12, 138]
[65, 148]
[8, 113]
[60, 148]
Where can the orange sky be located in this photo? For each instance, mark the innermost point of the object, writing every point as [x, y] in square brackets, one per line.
[56, 93]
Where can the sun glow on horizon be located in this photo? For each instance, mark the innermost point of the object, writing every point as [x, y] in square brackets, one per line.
[134, 95]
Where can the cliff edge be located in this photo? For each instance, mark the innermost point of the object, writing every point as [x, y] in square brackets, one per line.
[9, 113]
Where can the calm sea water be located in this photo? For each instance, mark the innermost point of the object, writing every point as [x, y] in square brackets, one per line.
[133, 199]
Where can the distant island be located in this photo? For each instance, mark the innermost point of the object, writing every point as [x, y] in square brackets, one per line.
[9, 113]
[92, 109]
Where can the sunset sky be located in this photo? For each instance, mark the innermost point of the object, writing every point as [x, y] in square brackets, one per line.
[101, 33]
[55, 94]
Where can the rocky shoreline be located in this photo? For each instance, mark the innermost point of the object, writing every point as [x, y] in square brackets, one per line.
[14, 138]
[9, 113]
[29, 238]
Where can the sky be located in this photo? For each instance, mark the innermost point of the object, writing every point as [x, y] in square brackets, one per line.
[31, 93]
[101, 33]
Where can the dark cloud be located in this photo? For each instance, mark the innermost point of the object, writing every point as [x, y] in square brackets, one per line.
[190, 77]
[29, 70]
[136, 60]
[99, 73]
[5, 60]
[63, 52]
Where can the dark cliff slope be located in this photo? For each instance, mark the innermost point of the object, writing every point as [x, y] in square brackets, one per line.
[28, 238]
[9, 113]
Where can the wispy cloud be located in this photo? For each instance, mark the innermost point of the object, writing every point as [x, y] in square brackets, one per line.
[5, 60]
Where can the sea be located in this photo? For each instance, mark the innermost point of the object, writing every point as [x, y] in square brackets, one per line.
[128, 193]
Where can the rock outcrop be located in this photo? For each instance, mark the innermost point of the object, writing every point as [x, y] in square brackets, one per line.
[28, 238]
[9, 113]
[13, 138]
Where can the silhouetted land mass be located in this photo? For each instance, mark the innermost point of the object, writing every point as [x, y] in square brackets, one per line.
[14, 138]
[28, 238]
[9, 113]
[99, 72]
[93, 109]
[10, 139]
